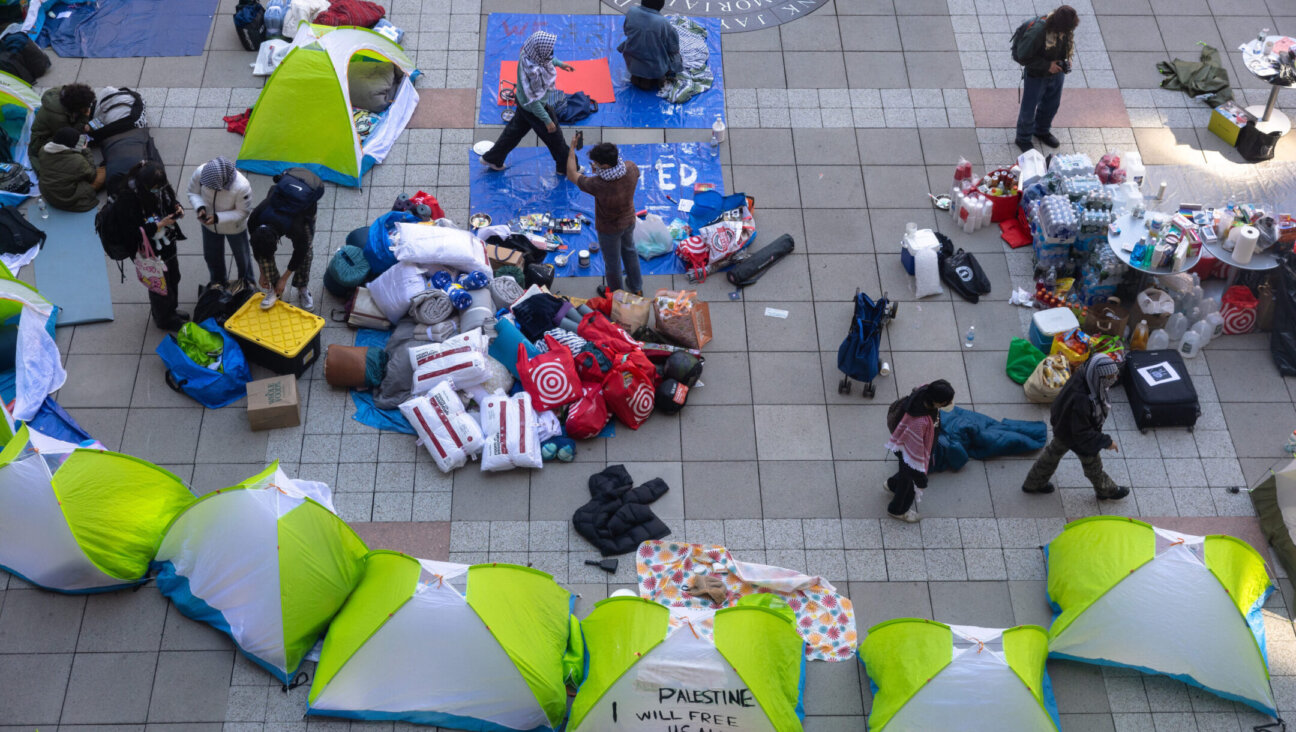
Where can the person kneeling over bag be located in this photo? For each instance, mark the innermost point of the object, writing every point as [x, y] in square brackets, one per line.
[270, 221]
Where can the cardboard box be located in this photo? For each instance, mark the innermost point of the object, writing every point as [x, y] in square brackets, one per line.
[272, 403]
[499, 256]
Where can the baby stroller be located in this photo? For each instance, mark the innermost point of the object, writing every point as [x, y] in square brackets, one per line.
[857, 357]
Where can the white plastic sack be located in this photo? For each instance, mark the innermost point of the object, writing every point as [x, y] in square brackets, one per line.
[441, 246]
[459, 360]
[1155, 302]
[299, 10]
[269, 56]
[511, 432]
[547, 425]
[449, 434]
[926, 273]
[392, 290]
[651, 237]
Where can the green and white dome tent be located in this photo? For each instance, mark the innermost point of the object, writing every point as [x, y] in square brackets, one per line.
[931, 676]
[653, 668]
[487, 648]
[1126, 593]
[80, 520]
[263, 562]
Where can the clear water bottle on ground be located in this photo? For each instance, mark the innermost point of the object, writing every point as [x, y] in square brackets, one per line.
[971, 337]
[1291, 444]
[41, 205]
[717, 135]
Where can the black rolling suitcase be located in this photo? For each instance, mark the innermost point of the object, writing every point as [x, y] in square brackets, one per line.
[1161, 393]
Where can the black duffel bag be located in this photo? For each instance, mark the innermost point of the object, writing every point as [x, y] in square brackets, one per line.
[754, 267]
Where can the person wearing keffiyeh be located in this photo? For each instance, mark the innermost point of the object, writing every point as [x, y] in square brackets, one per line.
[613, 187]
[222, 198]
[536, 76]
[912, 442]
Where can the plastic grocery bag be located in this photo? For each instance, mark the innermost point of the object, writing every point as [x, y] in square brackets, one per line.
[1023, 357]
[652, 237]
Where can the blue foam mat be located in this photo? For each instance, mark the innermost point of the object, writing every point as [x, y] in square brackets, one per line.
[70, 269]
[528, 185]
[583, 37]
[125, 28]
[367, 413]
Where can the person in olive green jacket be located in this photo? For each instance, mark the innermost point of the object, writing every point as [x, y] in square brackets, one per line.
[68, 178]
[70, 105]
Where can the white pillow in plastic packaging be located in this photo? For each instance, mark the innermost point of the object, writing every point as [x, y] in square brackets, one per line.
[441, 246]
[459, 360]
[548, 425]
[926, 273]
[512, 434]
[445, 430]
[391, 291]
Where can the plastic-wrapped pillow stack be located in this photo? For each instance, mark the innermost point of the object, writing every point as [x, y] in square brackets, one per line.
[459, 360]
[444, 427]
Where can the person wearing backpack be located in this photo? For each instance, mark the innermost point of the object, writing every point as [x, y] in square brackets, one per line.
[912, 440]
[70, 105]
[222, 198]
[68, 178]
[1044, 47]
[147, 202]
[265, 241]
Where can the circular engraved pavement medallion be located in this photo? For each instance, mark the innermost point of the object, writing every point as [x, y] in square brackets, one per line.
[736, 16]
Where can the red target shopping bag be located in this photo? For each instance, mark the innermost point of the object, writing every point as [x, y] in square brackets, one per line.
[628, 392]
[549, 378]
[1239, 308]
[587, 417]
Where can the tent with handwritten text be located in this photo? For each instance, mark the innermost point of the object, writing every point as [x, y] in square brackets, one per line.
[654, 668]
[488, 648]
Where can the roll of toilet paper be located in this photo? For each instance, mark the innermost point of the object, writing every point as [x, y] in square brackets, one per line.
[1245, 244]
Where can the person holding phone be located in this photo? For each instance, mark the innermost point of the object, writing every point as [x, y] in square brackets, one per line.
[222, 199]
[536, 77]
[1044, 47]
[147, 203]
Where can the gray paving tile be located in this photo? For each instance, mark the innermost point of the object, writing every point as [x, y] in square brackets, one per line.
[479, 495]
[798, 489]
[163, 435]
[721, 490]
[122, 622]
[718, 432]
[190, 686]
[656, 439]
[833, 688]
[39, 622]
[99, 380]
[792, 432]
[109, 688]
[34, 687]
[180, 633]
[814, 69]
[987, 604]
[859, 488]
[876, 69]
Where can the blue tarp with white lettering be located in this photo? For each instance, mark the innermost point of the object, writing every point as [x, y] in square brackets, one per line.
[528, 185]
[582, 37]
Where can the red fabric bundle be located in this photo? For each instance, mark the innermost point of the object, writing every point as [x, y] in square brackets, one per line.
[359, 13]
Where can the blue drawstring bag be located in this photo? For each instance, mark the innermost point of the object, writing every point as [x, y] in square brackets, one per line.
[210, 388]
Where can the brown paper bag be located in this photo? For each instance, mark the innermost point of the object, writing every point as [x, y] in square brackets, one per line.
[682, 317]
[1106, 318]
[630, 311]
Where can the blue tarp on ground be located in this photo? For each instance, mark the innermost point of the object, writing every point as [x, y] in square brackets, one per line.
[667, 171]
[366, 412]
[583, 37]
[125, 28]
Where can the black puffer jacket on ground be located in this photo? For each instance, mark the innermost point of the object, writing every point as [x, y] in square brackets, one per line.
[617, 519]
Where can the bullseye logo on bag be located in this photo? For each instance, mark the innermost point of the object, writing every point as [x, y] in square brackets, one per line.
[736, 16]
[641, 401]
[551, 383]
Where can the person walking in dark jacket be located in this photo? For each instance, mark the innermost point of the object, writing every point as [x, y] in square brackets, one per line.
[1077, 417]
[651, 46]
[912, 441]
[147, 201]
[536, 76]
[1044, 49]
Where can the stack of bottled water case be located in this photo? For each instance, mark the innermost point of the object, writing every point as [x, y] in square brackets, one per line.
[1054, 225]
[1101, 273]
[1072, 165]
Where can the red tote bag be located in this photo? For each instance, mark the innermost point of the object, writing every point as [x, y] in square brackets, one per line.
[628, 392]
[549, 378]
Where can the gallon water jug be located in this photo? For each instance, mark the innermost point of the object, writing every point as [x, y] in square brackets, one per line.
[1190, 346]
[1204, 330]
[1209, 305]
[1158, 340]
[1216, 322]
[274, 17]
[1176, 326]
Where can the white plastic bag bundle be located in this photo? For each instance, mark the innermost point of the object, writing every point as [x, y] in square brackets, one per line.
[445, 430]
[441, 246]
[651, 237]
[460, 360]
[512, 434]
[926, 273]
[391, 291]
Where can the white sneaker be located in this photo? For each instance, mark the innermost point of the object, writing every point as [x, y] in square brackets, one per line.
[269, 300]
[304, 299]
[909, 517]
[886, 487]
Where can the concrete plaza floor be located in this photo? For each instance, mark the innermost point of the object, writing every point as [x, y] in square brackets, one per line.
[841, 121]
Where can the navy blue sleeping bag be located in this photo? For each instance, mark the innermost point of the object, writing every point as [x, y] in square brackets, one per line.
[965, 435]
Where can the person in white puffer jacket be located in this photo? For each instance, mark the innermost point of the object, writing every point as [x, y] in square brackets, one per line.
[222, 198]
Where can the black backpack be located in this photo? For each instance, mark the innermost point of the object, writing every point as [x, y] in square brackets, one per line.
[13, 178]
[117, 244]
[249, 24]
[1014, 42]
[220, 303]
[17, 234]
[295, 191]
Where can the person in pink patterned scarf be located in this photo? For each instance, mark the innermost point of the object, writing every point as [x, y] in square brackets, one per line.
[912, 442]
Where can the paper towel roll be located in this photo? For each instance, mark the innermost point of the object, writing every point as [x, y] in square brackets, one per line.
[1245, 244]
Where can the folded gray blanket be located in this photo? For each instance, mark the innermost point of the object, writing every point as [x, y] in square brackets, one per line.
[431, 306]
[505, 291]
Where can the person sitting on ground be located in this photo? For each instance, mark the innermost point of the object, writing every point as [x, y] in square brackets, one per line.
[70, 105]
[1078, 415]
[265, 242]
[651, 46]
[222, 198]
[912, 442]
[613, 187]
[536, 76]
[68, 178]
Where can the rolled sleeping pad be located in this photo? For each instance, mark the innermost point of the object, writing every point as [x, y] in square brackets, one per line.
[754, 267]
[345, 366]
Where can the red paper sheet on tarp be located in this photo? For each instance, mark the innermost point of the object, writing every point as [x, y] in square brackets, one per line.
[591, 76]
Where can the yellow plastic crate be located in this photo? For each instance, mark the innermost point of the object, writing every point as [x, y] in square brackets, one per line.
[284, 339]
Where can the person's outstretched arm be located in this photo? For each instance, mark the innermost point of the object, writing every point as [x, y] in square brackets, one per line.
[573, 169]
